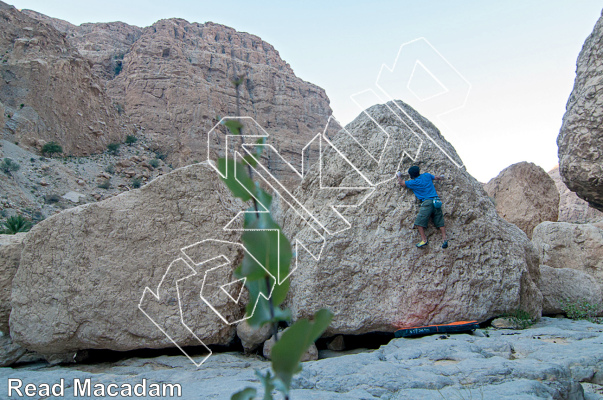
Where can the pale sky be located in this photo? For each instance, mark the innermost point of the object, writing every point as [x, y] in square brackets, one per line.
[519, 56]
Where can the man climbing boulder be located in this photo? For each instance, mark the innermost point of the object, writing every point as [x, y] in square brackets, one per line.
[431, 206]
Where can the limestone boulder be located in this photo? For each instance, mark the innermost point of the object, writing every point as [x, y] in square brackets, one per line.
[115, 274]
[567, 285]
[361, 262]
[581, 134]
[571, 207]
[575, 246]
[10, 255]
[525, 195]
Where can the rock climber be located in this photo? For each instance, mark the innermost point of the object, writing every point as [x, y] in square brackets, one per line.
[431, 206]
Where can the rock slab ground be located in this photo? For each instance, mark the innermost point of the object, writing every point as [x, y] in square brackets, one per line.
[554, 359]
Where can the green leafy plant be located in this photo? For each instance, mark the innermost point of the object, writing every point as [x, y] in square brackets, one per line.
[136, 182]
[266, 244]
[16, 224]
[21, 106]
[110, 169]
[520, 318]
[131, 139]
[582, 310]
[113, 148]
[51, 148]
[8, 166]
[154, 163]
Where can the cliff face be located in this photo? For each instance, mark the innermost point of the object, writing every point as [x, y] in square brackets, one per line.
[48, 90]
[176, 82]
[174, 79]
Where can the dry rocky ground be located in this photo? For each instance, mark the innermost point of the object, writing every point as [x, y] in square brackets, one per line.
[554, 359]
[44, 186]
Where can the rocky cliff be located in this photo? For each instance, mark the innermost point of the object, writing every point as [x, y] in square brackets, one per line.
[48, 90]
[174, 79]
[581, 134]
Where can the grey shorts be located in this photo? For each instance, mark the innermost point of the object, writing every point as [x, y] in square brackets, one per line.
[426, 211]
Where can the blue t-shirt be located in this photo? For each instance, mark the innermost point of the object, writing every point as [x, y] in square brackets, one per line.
[422, 186]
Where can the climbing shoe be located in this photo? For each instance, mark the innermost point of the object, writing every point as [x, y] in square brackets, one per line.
[422, 244]
[445, 244]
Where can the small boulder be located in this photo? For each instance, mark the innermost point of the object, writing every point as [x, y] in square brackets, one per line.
[252, 338]
[567, 285]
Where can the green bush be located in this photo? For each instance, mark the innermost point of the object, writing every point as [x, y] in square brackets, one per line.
[154, 163]
[21, 106]
[16, 224]
[110, 169]
[582, 310]
[113, 148]
[131, 139]
[520, 318]
[106, 184]
[7, 166]
[136, 182]
[160, 155]
[51, 148]
[52, 198]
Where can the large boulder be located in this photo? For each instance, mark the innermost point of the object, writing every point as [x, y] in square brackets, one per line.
[83, 272]
[525, 195]
[563, 286]
[571, 207]
[576, 246]
[10, 254]
[367, 270]
[581, 134]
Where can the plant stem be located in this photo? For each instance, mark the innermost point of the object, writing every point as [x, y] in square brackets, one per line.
[237, 83]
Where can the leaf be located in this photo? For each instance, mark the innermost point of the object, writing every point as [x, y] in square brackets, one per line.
[251, 160]
[263, 197]
[267, 382]
[286, 354]
[245, 394]
[233, 126]
[260, 149]
[236, 179]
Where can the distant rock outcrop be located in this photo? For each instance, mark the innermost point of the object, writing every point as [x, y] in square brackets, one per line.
[49, 92]
[581, 134]
[371, 275]
[177, 79]
[525, 195]
[571, 207]
[83, 272]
